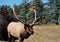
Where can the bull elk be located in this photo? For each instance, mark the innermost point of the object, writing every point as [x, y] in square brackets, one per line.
[19, 29]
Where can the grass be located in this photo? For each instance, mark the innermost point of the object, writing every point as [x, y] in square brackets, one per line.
[45, 33]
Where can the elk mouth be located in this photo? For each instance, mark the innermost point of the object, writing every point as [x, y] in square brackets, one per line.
[28, 35]
[29, 29]
[32, 32]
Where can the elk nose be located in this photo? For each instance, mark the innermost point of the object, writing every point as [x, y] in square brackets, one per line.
[32, 33]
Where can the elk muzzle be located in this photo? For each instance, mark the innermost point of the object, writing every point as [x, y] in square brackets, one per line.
[30, 31]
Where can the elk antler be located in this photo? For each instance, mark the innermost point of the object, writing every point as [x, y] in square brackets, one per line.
[16, 15]
[35, 17]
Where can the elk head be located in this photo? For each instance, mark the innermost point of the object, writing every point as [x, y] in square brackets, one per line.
[29, 26]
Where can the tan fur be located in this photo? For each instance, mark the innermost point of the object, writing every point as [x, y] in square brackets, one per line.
[16, 29]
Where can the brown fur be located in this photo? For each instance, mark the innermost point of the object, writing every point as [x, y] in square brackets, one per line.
[18, 30]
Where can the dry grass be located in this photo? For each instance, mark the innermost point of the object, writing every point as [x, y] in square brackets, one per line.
[45, 33]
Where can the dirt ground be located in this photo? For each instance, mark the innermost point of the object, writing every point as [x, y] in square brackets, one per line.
[45, 33]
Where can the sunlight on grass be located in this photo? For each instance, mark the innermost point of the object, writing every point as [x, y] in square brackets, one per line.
[45, 33]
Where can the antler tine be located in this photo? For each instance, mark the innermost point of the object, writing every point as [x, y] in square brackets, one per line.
[35, 17]
[16, 15]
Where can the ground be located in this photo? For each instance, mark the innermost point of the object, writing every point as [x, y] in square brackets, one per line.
[45, 33]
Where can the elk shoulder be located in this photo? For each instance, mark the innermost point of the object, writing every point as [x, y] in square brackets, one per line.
[16, 28]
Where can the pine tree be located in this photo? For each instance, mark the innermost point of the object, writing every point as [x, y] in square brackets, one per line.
[23, 9]
[54, 8]
[38, 6]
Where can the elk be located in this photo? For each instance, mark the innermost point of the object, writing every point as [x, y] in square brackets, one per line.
[19, 29]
